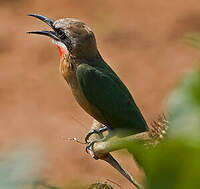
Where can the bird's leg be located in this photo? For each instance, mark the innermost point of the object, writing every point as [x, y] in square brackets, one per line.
[98, 131]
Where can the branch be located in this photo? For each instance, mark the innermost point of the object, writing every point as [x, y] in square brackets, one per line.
[116, 143]
[151, 137]
[101, 150]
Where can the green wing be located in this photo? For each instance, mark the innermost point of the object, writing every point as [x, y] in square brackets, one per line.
[104, 90]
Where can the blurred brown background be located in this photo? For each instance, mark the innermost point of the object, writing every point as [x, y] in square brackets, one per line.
[141, 40]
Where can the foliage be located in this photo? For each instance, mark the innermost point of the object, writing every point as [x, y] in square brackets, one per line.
[174, 164]
[184, 109]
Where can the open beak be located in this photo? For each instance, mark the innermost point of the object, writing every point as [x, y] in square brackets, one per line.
[48, 21]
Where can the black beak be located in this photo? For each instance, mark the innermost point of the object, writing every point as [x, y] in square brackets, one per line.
[48, 21]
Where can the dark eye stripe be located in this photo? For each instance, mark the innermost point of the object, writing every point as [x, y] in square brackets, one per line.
[66, 40]
[61, 34]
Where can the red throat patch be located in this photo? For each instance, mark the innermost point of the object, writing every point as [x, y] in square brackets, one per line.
[61, 50]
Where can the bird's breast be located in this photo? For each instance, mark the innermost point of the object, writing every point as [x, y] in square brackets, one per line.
[68, 70]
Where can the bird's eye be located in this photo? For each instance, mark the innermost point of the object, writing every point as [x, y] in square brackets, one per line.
[61, 34]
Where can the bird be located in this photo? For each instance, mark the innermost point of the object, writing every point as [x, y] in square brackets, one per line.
[94, 84]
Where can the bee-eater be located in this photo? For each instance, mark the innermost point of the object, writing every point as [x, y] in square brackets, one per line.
[95, 86]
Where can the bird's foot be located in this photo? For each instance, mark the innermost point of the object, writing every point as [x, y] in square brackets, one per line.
[95, 131]
[89, 147]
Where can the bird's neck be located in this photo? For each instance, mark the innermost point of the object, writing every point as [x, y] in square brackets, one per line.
[89, 58]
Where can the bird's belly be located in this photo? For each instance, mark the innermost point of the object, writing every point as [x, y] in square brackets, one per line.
[83, 102]
[70, 77]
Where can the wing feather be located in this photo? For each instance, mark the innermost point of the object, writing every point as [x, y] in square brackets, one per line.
[104, 90]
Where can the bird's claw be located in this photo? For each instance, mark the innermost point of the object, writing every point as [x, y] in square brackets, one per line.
[95, 131]
[89, 147]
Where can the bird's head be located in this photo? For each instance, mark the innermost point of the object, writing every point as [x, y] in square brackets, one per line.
[71, 36]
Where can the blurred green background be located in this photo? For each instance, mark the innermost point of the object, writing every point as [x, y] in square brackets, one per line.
[141, 40]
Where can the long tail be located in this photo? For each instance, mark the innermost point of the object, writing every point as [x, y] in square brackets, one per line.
[114, 163]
